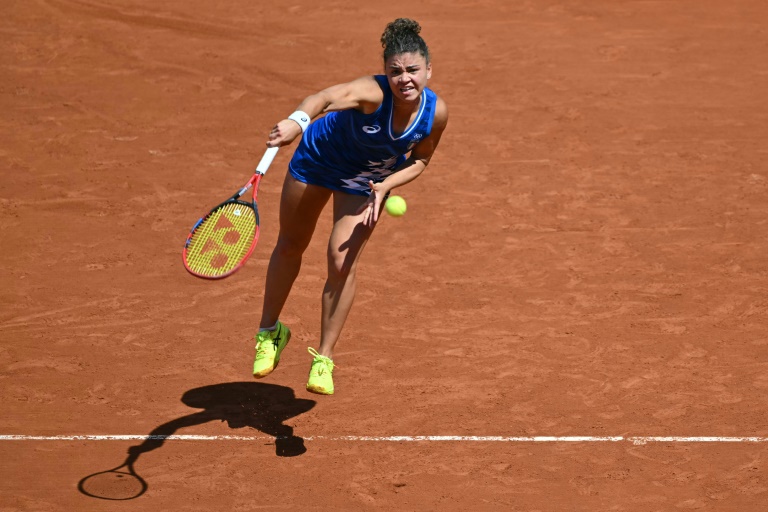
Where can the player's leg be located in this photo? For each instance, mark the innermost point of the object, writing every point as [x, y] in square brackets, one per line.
[346, 244]
[300, 207]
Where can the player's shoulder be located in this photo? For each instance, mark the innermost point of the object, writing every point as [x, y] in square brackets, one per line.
[441, 112]
[368, 87]
[361, 83]
[440, 104]
[361, 93]
[367, 81]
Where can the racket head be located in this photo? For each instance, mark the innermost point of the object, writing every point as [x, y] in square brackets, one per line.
[220, 242]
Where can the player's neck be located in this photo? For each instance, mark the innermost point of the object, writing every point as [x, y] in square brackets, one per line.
[403, 106]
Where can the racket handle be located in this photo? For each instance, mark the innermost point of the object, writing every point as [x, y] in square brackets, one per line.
[266, 160]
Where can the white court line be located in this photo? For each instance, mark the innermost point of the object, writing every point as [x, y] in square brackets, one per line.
[638, 440]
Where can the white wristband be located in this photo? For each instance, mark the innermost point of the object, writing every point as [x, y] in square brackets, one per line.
[302, 118]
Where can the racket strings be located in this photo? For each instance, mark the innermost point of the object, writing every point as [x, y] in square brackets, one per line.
[222, 240]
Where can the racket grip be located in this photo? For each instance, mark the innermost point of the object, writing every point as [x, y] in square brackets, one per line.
[266, 160]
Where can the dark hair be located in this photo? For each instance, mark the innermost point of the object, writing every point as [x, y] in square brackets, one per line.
[402, 36]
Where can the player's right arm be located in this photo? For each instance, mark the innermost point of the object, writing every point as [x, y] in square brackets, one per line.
[363, 94]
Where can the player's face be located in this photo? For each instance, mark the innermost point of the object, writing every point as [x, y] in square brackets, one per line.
[408, 74]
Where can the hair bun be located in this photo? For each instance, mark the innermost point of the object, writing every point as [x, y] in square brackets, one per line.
[397, 29]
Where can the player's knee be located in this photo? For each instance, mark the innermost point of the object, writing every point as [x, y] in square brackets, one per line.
[290, 247]
[339, 267]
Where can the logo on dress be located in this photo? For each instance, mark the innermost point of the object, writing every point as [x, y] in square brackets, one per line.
[414, 140]
[372, 129]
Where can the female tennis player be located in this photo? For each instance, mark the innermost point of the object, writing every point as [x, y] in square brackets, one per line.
[379, 133]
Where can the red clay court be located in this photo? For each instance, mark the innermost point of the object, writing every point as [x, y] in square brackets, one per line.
[572, 315]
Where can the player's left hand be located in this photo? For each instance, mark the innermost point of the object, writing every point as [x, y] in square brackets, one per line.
[372, 207]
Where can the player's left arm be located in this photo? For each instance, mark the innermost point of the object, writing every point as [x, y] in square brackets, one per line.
[411, 169]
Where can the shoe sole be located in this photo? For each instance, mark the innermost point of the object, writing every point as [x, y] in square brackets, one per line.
[261, 375]
[319, 391]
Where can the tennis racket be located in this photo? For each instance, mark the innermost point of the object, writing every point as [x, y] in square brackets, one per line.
[221, 241]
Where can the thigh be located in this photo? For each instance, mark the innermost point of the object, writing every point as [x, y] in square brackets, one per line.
[349, 234]
[300, 207]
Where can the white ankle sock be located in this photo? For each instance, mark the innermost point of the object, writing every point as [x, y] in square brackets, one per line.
[268, 328]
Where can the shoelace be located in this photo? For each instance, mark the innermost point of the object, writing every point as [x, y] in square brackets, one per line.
[326, 362]
[261, 347]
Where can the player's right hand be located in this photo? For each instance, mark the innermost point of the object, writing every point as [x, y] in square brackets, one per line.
[283, 133]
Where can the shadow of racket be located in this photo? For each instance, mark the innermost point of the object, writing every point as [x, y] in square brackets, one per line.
[120, 483]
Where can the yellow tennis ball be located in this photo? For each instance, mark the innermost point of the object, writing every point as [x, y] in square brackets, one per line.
[395, 206]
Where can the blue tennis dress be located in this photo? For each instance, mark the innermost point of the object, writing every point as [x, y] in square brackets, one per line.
[345, 149]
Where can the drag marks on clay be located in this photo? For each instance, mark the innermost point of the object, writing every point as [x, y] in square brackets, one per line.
[175, 23]
[47, 315]
[57, 365]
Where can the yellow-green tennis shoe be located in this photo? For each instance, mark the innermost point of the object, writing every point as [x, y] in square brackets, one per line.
[269, 345]
[320, 375]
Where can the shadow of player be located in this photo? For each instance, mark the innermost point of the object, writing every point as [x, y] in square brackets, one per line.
[260, 406]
